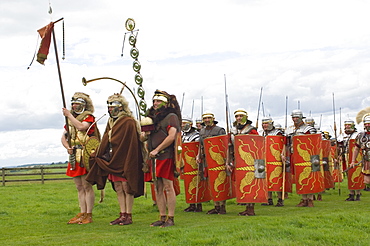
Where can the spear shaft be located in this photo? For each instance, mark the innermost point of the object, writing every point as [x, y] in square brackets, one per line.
[192, 110]
[336, 149]
[182, 101]
[259, 104]
[286, 112]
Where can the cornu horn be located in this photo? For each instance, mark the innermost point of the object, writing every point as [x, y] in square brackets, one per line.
[85, 82]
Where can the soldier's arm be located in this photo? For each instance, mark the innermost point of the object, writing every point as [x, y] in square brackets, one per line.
[283, 157]
[81, 126]
[65, 143]
[356, 150]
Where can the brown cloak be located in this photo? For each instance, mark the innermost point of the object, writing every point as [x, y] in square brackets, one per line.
[125, 159]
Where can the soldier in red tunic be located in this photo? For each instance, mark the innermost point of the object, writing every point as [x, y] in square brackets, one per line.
[81, 127]
[166, 116]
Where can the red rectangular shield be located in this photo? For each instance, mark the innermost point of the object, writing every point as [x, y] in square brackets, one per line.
[220, 184]
[355, 177]
[276, 175]
[336, 167]
[306, 156]
[196, 189]
[250, 182]
[325, 164]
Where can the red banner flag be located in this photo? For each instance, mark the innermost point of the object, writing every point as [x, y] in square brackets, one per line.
[45, 34]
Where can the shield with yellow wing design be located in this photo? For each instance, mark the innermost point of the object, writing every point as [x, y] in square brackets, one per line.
[325, 164]
[276, 170]
[336, 165]
[220, 183]
[91, 145]
[250, 169]
[306, 155]
[196, 189]
[355, 177]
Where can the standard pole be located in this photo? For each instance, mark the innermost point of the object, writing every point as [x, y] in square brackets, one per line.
[61, 84]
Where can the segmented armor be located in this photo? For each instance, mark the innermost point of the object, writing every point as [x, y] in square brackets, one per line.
[363, 142]
[190, 136]
[245, 130]
[301, 130]
[273, 132]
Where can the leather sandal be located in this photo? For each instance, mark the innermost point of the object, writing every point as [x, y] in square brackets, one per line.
[169, 222]
[159, 222]
[76, 219]
[120, 219]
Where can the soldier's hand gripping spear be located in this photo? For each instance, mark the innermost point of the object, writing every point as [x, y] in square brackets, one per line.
[352, 166]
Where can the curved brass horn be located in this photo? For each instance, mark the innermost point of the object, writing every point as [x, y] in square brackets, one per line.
[85, 82]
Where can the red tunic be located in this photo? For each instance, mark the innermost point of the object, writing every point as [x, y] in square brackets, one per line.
[79, 171]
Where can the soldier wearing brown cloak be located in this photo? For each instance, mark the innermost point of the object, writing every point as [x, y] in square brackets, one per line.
[120, 158]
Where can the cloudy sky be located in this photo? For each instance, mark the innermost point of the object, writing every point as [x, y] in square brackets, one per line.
[302, 50]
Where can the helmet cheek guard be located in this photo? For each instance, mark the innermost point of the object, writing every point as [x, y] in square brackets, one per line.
[114, 112]
[79, 109]
[80, 105]
[115, 108]
[186, 127]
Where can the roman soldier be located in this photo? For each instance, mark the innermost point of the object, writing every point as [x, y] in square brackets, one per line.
[242, 126]
[270, 130]
[363, 144]
[210, 130]
[166, 116]
[297, 129]
[81, 129]
[344, 141]
[120, 158]
[350, 132]
[199, 124]
[190, 134]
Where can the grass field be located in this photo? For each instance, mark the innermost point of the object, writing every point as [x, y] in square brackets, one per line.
[36, 214]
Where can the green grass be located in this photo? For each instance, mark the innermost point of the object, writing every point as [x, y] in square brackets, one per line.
[35, 214]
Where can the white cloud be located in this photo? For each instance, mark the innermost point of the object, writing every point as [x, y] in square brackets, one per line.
[305, 50]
